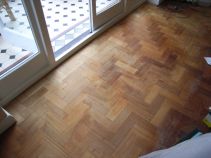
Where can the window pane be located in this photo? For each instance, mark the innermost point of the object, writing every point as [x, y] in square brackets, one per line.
[17, 42]
[102, 5]
[67, 21]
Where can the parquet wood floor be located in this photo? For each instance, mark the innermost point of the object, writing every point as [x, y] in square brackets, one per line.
[136, 88]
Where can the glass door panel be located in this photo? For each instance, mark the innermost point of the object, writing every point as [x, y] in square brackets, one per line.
[102, 5]
[105, 10]
[20, 56]
[67, 22]
[17, 42]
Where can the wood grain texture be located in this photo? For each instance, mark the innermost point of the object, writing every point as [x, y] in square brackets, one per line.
[137, 88]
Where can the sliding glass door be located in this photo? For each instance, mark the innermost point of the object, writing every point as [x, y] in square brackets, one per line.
[67, 22]
[22, 54]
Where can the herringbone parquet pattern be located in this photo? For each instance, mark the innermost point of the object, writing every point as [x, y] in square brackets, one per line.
[136, 88]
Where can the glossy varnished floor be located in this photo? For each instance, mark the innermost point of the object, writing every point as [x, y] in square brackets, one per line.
[136, 88]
